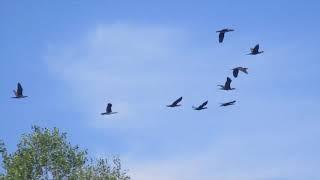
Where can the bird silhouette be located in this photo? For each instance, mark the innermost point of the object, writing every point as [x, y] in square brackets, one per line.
[237, 69]
[19, 92]
[222, 32]
[175, 103]
[228, 103]
[108, 110]
[226, 86]
[255, 50]
[201, 107]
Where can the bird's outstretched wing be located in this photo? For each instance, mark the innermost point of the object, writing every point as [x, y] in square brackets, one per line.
[15, 93]
[221, 37]
[235, 72]
[231, 102]
[223, 104]
[244, 70]
[19, 90]
[177, 101]
[203, 105]
[228, 103]
[228, 83]
[109, 108]
[255, 49]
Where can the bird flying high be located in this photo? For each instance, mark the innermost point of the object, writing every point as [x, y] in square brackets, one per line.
[19, 92]
[255, 50]
[237, 69]
[222, 32]
[228, 103]
[226, 86]
[175, 103]
[108, 110]
[201, 107]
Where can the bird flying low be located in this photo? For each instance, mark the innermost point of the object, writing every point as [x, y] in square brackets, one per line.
[175, 103]
[108, 110]
[237, 69]
[201, 107]
[255, 50]
[228, 103]
[227, 86]
[19, 92]
[222, 32]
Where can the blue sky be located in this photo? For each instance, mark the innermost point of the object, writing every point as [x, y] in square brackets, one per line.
[73, 57]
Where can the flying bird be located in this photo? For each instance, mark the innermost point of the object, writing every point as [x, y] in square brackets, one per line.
[19, 92]
[255, 50]
[226, 86]
[222, 32]
[108, 110]
[201, 107]
[175, 103]
[228, 103]
[237, 69]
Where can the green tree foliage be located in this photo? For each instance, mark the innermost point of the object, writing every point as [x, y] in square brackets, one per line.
[46, 154]
[102, 170]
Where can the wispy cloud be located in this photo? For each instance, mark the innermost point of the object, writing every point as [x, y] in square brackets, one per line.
[117, 63]
[232, 158]
[140, 68]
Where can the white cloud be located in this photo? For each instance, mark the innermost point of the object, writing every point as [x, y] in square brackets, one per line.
[117, 63]
[139, 68]
[240, 158]
[259, 157]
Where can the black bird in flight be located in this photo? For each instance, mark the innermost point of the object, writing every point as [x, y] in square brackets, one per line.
[19, 92]
[222, 32]
[175, 103]
[237, 69]
[108, 110]
[255, 50]
[228, 103]
[201, 107]
[226, 86]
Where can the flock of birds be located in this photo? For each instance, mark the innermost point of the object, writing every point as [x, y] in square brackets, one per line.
[227, 86]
